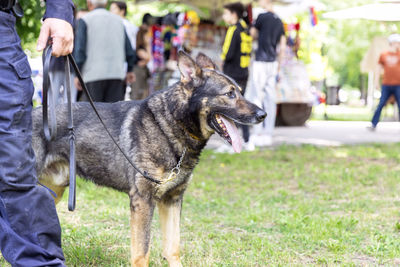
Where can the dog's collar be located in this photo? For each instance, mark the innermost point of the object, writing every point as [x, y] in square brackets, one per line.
[193, 136]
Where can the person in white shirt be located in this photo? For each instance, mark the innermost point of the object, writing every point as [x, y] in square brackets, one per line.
[119, 8]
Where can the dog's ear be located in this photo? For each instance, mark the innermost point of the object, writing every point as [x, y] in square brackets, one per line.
[205, 62]
[190, 71]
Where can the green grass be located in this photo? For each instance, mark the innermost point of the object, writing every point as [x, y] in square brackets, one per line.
[290, 206]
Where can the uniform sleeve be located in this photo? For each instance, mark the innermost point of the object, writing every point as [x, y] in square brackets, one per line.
[232, 40]
[60, 9]
[80, 43]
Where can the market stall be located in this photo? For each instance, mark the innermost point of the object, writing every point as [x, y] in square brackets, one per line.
[196, 34]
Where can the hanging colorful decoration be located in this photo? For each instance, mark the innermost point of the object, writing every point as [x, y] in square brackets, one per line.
[157, 47]
[313, 16]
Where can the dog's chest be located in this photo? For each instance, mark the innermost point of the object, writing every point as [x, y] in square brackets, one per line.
[174, 184]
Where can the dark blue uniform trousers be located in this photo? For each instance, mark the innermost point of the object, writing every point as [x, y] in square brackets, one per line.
[30, 233]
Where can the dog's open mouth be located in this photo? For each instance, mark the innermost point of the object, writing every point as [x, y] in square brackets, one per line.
[229, 132]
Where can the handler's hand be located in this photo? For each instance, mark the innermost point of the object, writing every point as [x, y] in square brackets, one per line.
[62, 34]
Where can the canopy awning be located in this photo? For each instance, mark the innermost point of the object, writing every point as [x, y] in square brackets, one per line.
[213, 4]
[378, 12]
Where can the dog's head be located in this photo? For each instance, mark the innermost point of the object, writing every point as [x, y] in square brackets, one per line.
[216, 99]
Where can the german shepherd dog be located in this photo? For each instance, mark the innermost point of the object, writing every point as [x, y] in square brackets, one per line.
[169, 127]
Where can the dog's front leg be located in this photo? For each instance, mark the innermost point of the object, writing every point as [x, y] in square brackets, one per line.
[141, 215]
[170, 214]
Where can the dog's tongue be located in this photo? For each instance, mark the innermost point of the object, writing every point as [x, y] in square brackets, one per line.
[233, 133]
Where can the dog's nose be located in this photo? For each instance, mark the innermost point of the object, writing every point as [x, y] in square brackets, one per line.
[260, 116]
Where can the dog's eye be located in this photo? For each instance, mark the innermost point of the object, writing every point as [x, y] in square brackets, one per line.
[231, 94]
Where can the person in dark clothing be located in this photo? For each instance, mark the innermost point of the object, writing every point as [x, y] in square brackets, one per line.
[236, 49]
[270, 31]
[102, 48]
[30, 232]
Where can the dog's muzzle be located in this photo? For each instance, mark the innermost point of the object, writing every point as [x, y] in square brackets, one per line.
[260, 115]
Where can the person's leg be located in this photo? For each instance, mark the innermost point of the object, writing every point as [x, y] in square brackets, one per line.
[135, 87]
[143, 85]
[397, 96]
[95, 90]
[124, 85]
[139, 86]
[270, 97]
[258, 83]
[30, 233]
[385, 94]
[114, 91]
[245, 128]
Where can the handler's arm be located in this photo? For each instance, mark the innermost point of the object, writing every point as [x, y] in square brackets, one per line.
[57, 24]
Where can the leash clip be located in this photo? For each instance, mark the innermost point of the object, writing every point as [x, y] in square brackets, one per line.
[176, 170]
[172, 175]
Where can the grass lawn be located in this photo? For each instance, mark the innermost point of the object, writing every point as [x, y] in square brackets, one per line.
[290, 206]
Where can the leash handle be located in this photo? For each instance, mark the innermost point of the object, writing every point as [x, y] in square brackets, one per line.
[50, 130]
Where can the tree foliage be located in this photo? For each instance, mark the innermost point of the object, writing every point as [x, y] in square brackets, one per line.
[28, 26]
[347, 41]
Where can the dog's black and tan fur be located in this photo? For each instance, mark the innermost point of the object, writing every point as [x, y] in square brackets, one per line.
[154, 133]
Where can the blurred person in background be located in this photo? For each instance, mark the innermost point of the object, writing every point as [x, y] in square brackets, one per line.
[140, 88]
[268, 30]
[120, 8]
[236, 50]
[101, 49]
[79, 13]
[389, 64]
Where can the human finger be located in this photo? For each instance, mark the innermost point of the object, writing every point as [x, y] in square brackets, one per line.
[43, 37]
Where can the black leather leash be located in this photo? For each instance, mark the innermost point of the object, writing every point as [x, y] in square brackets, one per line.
[50, 129]
[79, 76]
